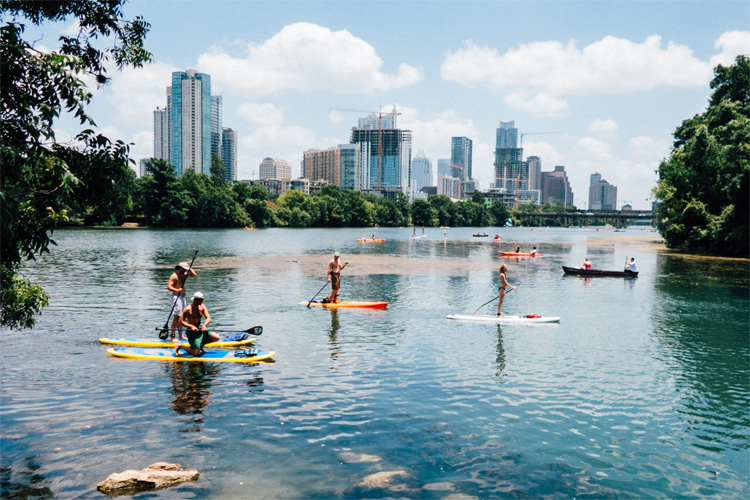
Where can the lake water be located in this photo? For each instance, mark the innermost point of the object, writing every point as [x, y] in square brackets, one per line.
[641, 390]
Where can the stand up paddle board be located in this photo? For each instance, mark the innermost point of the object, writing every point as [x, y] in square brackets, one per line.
[166, 343]
[521, 254]
[349, 303]
[238, 356]
[503, 319]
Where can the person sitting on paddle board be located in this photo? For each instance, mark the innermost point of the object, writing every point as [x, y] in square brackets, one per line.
[334, 276]
[197, 334]
[176, 285]
[501, 289]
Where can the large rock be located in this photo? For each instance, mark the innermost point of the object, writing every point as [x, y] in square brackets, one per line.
[382, 484]
[154, 477]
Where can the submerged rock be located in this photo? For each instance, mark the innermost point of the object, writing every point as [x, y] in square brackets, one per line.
[358, 458]
[385, 483]
[154, 477]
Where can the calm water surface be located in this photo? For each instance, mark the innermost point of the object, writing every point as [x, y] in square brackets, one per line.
[641, 391]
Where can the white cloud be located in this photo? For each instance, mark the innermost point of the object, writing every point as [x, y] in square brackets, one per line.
[134, 93]
[593, 149]
[263, 114]
[603, 127]
[648, 148]
[274, 141]
[732, 44]
[542, 104]
[305, 57]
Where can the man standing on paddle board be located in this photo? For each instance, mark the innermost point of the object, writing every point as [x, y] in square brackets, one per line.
[176, 285]
[334, 276]
[196, 334]
[501, 289]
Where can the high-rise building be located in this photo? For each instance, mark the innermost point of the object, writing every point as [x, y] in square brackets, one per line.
[511, 173]
[556, 187]
[602, 194]
[161, 134]
[421, 171]
[449, 186]
[272, 168]
[190, 122]
[216, 126]
[229, 153]
[461, 155]
[322, 164]
[384, 153]
[444, 167]
[535, 172]
[349, 167]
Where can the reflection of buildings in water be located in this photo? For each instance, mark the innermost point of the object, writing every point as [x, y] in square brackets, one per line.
[500, 369]
[191, 383]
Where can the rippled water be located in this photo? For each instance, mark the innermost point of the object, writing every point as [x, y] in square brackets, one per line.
[641, 391]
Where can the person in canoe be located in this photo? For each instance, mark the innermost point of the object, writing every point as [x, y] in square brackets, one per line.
[176, 285]
[501, 289]
[631, 266]
[587, 265]
[197, 335]
[334, 276]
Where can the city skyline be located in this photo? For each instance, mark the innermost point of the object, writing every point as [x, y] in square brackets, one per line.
[612, 79]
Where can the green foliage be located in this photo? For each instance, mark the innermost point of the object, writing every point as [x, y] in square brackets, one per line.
[499, 213]
[444, 209]
[422, 214]
[703, 188]
[43, 180]
[161, 198]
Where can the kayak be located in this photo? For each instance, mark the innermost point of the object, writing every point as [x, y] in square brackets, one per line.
[372, 240]
[504, 319]
[166, 343]
[599, 272]
[521, 254]
[349, 303]
[236, 356]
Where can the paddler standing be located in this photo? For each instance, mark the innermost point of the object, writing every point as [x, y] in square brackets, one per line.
[176, 285]
[334, 276]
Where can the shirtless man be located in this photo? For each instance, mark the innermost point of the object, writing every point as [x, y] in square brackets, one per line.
[176, 285]
[334, 276]
[196, 334]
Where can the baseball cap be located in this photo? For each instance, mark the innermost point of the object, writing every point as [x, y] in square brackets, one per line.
[336, 254]
[197, 295]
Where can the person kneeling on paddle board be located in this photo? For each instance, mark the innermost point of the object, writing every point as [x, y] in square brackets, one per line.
[334, 276]
[197, 334]
[501, 289]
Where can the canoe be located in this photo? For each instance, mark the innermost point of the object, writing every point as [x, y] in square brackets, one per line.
[349, 303]
[521, 254]
[234, 356]
[372, 240]
[503, 319]
[480, 235]
[599, 272]
[166, 343]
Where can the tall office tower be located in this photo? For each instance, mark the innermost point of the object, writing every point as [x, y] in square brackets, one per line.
[602, 194]
[511, 173]
[229, 153]
[535, 172]
[461, 156]
[449, 186]
[217, 128]
[322, 165]
[161, 134]
[271, 168]
[190, 122]
[556, 187]
[421, 171]
[142, 167]
[444, 167]
[349, 167]
[384, 153]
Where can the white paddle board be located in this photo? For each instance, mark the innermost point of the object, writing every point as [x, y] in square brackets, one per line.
[503, 319]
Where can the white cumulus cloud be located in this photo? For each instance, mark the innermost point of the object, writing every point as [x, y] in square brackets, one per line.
[731, 44]
[593, 149]
[305, 57]
[603, 127]
[263, 114]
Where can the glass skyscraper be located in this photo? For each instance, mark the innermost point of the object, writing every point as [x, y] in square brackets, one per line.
[461, 155]
[190, 121]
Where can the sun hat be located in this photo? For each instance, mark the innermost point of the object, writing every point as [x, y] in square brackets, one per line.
[197, 295]
[182, 265]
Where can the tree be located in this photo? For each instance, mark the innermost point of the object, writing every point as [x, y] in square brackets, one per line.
[499, 213]
[703, 188]
[41, 177]
[161, 196]
[217, 170]
[422, 214]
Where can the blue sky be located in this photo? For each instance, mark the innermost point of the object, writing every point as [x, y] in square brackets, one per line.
[611, 79]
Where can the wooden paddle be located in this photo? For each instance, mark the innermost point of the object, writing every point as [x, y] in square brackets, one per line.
[164, 333]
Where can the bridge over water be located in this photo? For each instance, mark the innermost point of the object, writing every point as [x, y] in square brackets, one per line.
[582, 218]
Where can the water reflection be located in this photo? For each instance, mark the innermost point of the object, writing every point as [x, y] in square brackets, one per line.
[191, 384]
[24, 482]
[500, 359]
[333, 334]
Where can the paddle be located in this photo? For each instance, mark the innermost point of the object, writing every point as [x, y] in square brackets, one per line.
[494, 298]
[321, 289]
[255, 330]
[163, 334]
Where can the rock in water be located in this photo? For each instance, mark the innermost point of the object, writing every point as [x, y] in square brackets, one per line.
[154, 477]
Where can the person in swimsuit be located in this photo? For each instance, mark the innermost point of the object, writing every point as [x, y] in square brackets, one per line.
[334, 276]
[501, 289]
[197, 335]
[587, 264]
[176, 285]
[518, 248]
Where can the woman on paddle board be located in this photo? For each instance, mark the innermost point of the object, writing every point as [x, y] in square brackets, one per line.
[501, 289]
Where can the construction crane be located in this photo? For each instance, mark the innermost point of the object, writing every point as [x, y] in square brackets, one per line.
[535, 133]
[380, 114]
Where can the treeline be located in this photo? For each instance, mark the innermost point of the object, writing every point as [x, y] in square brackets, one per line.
[162, 199]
